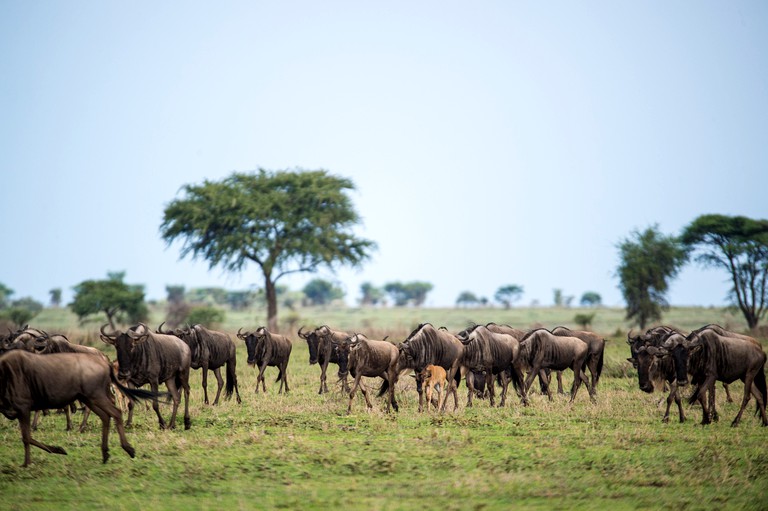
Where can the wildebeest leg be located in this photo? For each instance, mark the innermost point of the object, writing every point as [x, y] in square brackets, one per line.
[712, 405]
[176, 396]
[355, 385]
[183, 380]
[130, 412]
[156, 406]
[420, 390]
[760, 403]
[748, 379]
[470, 379]
[392, 377]
[26, 438]
[84, 423]
[490, 385]
[204, 370]
[672, 396]
[35, 420]
[430, 389]
[560, 382]
[728, 397]
[452, 387]
[701, 396]
[106, 411]
[323, 386]
[220, 382]
[284, 381]
[576, 381]
[504, 387]
[529, 380]
[260, 377]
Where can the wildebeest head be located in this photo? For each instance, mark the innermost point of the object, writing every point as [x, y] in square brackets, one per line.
[253, 343]
[645, 357]
[312, 343]
[124, 343]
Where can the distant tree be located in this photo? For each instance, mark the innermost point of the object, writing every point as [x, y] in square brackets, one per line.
[5, 294]
[557, 297]
[398, 292]
[584, 320]
[175, 294]
[418, 292]
[411, 292]
[240, 300]
[649, 260]
[322, 292]
[371, 295]
[55, 297]
[207, 296]
[21, 311]
[208, 316]
[738, 245]
[509, 294]
[284, 222]
[590, 299]
[178, 308]
[467, 298]
[116, 299]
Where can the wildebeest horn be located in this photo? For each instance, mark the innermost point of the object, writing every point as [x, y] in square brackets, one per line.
[629, 338]
[303, 336]
[240, 335]
[160, 328]
[113, 335]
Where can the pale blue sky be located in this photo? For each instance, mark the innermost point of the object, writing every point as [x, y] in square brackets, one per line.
[491, 142]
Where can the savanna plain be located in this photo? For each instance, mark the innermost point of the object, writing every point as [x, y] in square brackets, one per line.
[301, 450]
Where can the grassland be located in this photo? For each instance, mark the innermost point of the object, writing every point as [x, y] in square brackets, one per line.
[301, 450]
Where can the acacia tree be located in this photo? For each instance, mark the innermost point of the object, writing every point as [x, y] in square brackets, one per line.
[506, 295]
[322, 292]
[284, 221]
[739, 245]
[649, 260]
[118, 300]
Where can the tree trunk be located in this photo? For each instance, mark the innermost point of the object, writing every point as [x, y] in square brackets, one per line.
[271, 304]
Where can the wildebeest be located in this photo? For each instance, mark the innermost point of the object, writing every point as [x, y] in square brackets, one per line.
[46, 344]
[666, 362]
[494, 354]
[30, 382]
[323, 346]
[145, 357]
[435, 379]
[540, 349]
[595, 353]
[427, 345]
[268, 349]
[713, 357]
[373, 359]
[210, 349]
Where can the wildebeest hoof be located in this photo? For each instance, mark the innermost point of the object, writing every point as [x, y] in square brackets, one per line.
[187, 423]
[665, 420]
[734, 423]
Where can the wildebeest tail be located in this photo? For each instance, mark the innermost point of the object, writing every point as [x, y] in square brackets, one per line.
[139, 394]
[231, 378]
[600, 363]
[279, 375]
[383, 389]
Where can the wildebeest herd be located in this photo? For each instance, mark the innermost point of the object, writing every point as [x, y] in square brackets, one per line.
[39, 371]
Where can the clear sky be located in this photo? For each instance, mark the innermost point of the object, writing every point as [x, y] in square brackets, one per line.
[490, 142]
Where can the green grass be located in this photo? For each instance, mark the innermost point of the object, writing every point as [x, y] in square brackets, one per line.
[301, 451]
